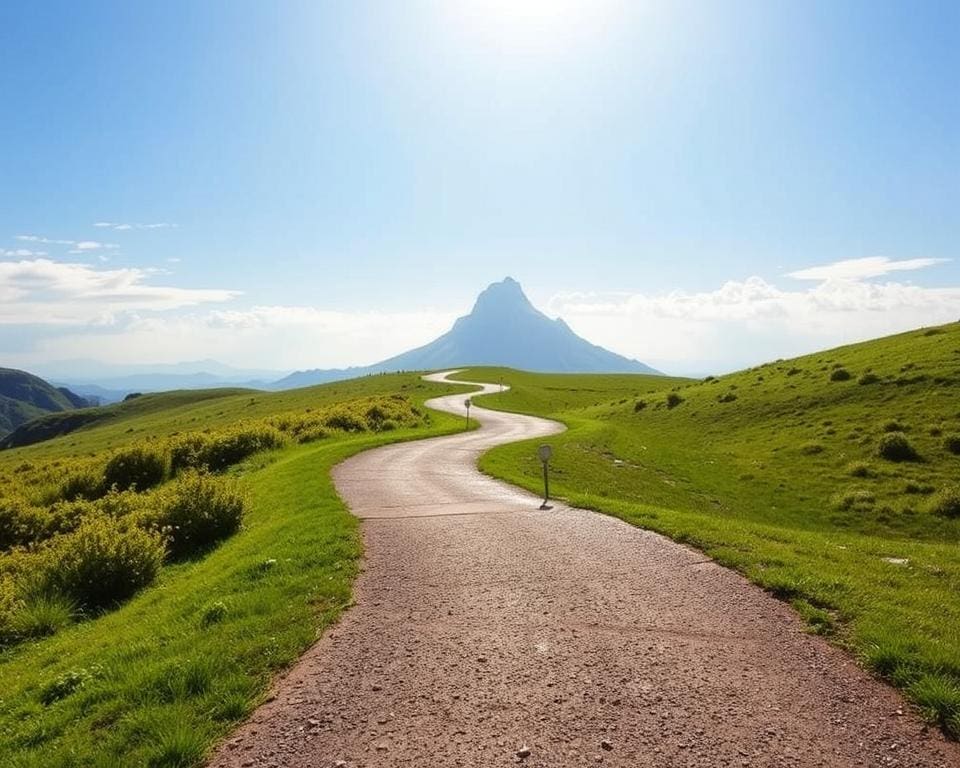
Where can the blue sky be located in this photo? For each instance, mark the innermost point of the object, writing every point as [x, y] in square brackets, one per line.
[338, 180]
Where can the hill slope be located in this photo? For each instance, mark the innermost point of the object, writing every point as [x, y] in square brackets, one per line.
[24, 396]
[158, 677]
[503, 328]
[784, 472]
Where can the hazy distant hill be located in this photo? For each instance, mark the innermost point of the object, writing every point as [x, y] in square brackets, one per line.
[109, 383]
[503, 329]
[24, 396]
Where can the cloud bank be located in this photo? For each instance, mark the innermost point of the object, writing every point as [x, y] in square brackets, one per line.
[46, 292]
[742, 323]
[132, 315]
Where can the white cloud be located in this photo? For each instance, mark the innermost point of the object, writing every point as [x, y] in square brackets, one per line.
[85, 246]
[862, 269]
[123, 227]
[44, 240]
[44, 292]
[21, 253]
[281, 337]
[746, 322]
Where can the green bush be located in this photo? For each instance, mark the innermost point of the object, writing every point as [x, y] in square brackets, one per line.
[219, 450]
[946, 502]
[639, 406]
[860, 469]
[375, 416]
[345, 421]
[868, 378]
[312, 434]
[840, 374]
[811, 449]
[10, 606]
[214, 613]
[102, 562]
[139, 466]
[673, 400]
[198, 512]
[856, 500]
[188, 451]
[86, 484]
[893, 426]
[894, 446]
[952, 444]
[21, 523]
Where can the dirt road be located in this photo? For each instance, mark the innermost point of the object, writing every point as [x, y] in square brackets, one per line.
[490, 633]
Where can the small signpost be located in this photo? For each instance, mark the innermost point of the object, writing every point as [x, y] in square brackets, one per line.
[545, 452]
[467, 403]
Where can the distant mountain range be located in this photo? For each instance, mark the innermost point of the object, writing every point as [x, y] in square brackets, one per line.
[103, 383]
[24, 397]
[503, 328]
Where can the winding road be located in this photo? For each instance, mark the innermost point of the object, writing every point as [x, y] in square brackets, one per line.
[487, 632]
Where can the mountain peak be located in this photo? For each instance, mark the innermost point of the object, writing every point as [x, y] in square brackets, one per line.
[503, 328]
[505, 296]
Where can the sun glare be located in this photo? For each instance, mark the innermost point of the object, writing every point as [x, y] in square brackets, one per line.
[543, 26]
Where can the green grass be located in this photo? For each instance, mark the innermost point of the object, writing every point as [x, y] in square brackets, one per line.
[159, 680]
[776, 471]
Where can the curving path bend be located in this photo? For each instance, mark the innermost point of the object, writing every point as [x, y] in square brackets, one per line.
[484, 627]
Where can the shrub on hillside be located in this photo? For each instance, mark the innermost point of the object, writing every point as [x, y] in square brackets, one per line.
[894, 426]
[856, 500]
[729, 397]
[197, 512]
[868, 378]
[221, 449]
[673, 400]
[84, 484]
[894, 446]
[187, 451]
[10, 605]
[952, 444]
[840, 374]
[345, 421]
[639, 406]
[21, 523]
[860, 469]
[139, 466]
[811, 449]
[946, 502]
[102, 562]
[375, 416]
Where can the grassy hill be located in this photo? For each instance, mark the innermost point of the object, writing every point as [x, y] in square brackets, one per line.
[831, 480]
[24, 396]
[155, 674]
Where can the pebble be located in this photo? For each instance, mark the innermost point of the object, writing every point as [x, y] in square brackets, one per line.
[606, 744]
[523, 752]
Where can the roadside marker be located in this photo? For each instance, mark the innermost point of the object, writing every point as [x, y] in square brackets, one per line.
[545, 452]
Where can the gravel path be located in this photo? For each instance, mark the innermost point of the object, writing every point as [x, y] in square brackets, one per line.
[490, 633]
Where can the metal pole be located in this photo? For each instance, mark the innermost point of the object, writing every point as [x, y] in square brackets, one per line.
[546, 484]
[466, 424]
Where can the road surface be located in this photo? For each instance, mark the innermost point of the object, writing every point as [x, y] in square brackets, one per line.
[487, 632]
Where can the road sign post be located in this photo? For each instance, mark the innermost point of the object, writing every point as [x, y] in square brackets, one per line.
[545, 452]
[467, 403]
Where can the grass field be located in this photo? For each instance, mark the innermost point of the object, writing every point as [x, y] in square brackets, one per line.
[159, 679]
[777, 472]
